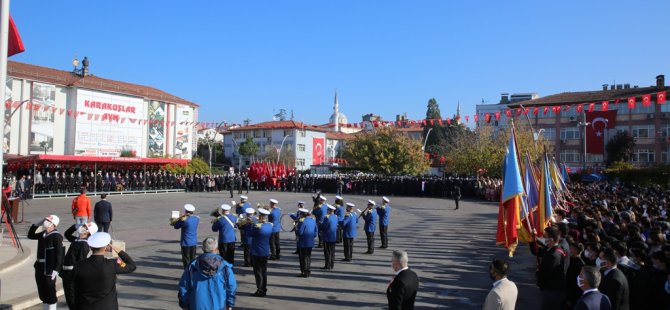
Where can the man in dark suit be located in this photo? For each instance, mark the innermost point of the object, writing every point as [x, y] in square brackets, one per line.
[401, 292]
[614, 283]
[102, 213]
[551, 273]
[588, 280]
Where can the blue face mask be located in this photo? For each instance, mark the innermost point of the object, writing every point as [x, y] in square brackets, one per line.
[666, 286]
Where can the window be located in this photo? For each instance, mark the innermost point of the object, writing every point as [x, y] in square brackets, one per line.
[286, 132]
[665, 108]
[621, 129]
[550, 113]
[300, 162]
[569, 133]
[257, 133]
[642, 131]
[594, 158]
[572, 156]
[643, 156]
[238, 135]
[640, 109]
[665, 130]
[664, 157]
[301, 147]
[549, 133]
[267, 133]
[302, 133]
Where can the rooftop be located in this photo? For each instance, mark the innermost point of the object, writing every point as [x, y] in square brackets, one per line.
[589, 96]
[279, 125]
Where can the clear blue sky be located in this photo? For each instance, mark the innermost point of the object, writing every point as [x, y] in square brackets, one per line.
[246, 59]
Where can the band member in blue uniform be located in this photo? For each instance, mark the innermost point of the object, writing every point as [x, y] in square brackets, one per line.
[296, 217]
[226, 224]
[246, 224]
[348, 224]
[188, 223]
[275, 219]
[319, 211]
[260, 250]
[370, 218]
[329, 232]
[384, 211]
[306, 231]
[339, 211]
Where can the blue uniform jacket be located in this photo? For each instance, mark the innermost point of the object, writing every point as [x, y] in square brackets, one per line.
[247, 230]
[370, 221]
[208, 283]
[349, 224]
[260, 243]
[225, 229]
[384, 212]
[319, 213]
[339, 211]
[306, 231]
[275, 219]
[189, 230]
[329, 228]
[240, 209]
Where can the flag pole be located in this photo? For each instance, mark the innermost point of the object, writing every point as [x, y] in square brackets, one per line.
[4, 44]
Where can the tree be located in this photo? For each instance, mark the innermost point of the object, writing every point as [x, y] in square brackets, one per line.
[386, 151]
[196, 165]
[281, 116]
[287, 154]
[437, 139]
[620, 147]
[248, 147]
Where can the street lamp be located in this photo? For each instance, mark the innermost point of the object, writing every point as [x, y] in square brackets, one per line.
[239, 156]
[280, 147]
[583, 124]
[423, 148]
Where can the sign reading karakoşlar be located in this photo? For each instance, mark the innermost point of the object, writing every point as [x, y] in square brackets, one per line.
[112, 124]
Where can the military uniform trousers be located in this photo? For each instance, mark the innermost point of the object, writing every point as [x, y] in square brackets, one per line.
[371, 242]
[227, 251]
[348, 248]
[329, 254]
[274, 246]
[383, 233]
[305, 256]
[46, 288]
[260, 272]
[187, 255]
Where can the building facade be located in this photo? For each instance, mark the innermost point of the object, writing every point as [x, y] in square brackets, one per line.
[49, 111]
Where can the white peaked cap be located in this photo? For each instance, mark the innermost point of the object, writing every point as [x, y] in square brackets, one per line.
[263, 211]
[99, 240]
[249, 210]
[225, 207]
[189, 207]
[274, 201]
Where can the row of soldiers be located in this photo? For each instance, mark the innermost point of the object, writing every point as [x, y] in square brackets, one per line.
[259, 229]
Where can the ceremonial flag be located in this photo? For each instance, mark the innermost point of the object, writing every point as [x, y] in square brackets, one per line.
[631, 102]
[510, 200]
[599, 122]
[530, 203]
[646, 100]
[545, 207]
[660, 97]
[14, 42]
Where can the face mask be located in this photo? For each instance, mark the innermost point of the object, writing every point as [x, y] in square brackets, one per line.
[46, 225]
[667, 287]
[587, 253]
[580, 281]
[599, 262]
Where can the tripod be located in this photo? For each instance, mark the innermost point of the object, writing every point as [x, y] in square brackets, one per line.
[7, 215]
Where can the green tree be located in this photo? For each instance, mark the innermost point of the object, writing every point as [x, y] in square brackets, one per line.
[287, 155]
[437, 138]
[248, 147]
[196, 165]
[620, 147]
[386, 151]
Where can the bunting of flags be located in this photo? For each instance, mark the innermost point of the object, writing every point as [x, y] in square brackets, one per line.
[268, 169]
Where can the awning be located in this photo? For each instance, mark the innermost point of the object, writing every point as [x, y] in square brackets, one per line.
[17, 160]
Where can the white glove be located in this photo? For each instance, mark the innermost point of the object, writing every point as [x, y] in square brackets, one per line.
[54, 274]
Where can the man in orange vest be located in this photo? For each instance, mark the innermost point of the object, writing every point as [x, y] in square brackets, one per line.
[81, 209]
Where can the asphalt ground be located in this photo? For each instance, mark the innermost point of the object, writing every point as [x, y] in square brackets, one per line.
[449, 249]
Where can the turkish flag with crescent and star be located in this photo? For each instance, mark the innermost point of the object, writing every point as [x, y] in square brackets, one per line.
[318, 151]
[598, 122]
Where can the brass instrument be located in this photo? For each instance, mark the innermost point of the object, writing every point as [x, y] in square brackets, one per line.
[175, 220]
[216, 215]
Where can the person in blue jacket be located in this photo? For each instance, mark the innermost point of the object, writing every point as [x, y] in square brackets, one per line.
[384, 211]
[329, 232]
[247, 224]
[240, 210]
[226, 224]
[339, 211]
[296, 217]
[208, 282]
[370, 218]
[319, 211]
[260, 250]
[274, 218]
[306, 231]
[188, 223]
[348, 224]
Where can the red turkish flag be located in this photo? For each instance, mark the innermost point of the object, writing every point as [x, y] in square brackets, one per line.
[579, 108]
[487, 117]
[525, 111]
[439, 121]
[476, 117]
[592, 106]
[467, 118]
[318, 151]
[605, 106]
[508, 113]
[449, 121]
[545, 110]
[518, 111]
[660, 97]
[598, 122]
[535, 110]
[556, 109]
[497, 115]
[567, 108]
[631, 102]
[646, 100]
[14, 44]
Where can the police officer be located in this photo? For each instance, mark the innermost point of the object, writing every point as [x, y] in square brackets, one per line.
[339, 211]
[384, 211]
[275, 219]
[188, 223]
[329, 232]
[260, 250]
[348, 224]
[226, 224]
[49, 258]
[77, 251]
[306, 231]
[246, 225]
[370, 218]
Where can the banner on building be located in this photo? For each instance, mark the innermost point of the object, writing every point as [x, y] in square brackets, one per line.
[42, 119]
[184, 131]
[596, 130]
[156, 129]
[317, 151]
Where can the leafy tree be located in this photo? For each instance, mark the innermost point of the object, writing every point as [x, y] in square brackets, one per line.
[287, 155]
[620, 147]
[217, 152]
[248, 147]
[437, 139]
[196, 165]
[386, 151]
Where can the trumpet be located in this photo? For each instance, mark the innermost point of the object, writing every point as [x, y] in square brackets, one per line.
[175, 220]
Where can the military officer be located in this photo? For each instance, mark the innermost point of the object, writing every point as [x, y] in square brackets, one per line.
[49, 258]
[226, 224]
[339, 211]
[384, 211]
[275, 219]
[260, 250]
[188, 223]
[77, 251]
[329, 232]
[306, 231]
[370, 218]
[349, 224]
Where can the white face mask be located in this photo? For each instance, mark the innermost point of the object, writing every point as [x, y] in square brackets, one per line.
[599, 262]
[587, 253]
[46, 225]
[580, 281]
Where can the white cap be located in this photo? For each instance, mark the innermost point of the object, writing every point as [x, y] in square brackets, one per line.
[53, 219]
[349, 204]
[331, 207]
[338, 197]
[385, 199]
[99, 240]
[301, 202]
[321, 197]
[225, 207]
[189, 207]
[91, 228]
[303, 210]
[243, 197]
[263, 211]
[371, 202]
[249, 210]
[274, 201]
